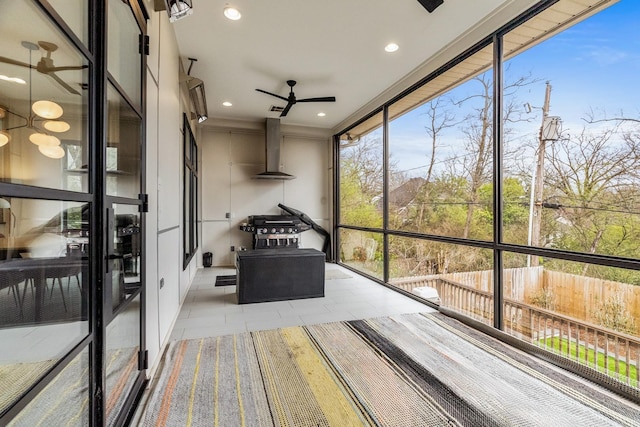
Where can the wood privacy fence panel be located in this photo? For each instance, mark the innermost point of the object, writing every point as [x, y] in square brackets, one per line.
[579, 297]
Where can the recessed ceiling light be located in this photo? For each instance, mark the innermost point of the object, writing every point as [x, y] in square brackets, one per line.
[321, 114]
[232, 13]
[227, 104]
[391, 47]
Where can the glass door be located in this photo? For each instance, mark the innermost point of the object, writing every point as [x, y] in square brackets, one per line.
[124, 355]
[123, 297]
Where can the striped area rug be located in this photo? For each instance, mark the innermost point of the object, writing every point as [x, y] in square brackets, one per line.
[407, 370]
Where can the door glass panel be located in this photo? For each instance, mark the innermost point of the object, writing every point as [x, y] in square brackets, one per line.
[124, 61]
[64, 402]
[123, 345]
[43, 111]
[75, 14]
[44, 288]
[124, 138]
[126, 248]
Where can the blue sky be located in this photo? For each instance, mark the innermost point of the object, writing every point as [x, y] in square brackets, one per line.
[592, 65]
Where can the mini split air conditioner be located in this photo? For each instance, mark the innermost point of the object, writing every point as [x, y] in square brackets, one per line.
[196, 92]
[195, 86]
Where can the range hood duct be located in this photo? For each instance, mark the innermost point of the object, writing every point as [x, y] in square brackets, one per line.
[272, 152]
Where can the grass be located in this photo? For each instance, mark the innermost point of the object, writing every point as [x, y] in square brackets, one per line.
[560, 346]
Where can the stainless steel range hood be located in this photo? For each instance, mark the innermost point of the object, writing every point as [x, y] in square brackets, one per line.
[272, 152]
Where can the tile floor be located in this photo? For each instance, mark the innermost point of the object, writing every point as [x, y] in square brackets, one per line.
[210, 311]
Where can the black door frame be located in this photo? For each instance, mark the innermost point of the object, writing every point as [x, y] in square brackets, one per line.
[95, 341]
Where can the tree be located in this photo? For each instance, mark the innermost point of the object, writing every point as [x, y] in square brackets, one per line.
[361, 170]
[476, 166]
[594, 175]
[438, 119]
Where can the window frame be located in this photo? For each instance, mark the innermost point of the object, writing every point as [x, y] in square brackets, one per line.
[190, 242]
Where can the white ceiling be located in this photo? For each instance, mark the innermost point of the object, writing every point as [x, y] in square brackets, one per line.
[330, 47]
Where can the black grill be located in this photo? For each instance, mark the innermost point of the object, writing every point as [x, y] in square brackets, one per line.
[275, 231]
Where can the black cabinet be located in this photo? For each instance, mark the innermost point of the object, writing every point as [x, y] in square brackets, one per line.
[276, 275]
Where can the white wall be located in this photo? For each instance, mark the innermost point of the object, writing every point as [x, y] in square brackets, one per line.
[232, 152]
[166, 281]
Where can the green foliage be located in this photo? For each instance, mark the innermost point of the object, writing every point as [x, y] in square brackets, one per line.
[599, 360]
[543, 298]
[613, 314]
[356, 207]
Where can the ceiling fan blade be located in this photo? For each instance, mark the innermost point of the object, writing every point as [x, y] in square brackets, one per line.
[14, 62]
[286, 109]
[65, 68]
[273, 94]
[321, 99]
[63, 84]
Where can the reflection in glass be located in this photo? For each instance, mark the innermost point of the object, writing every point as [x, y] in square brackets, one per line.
[124, 146]
[363, 251]
[454, 276]
[582, 311]
[123, 57]
[361, 174]
[64, 402]
[43, 286]
[75, 14]
[123, 345]
[33, 153]
[127, 246]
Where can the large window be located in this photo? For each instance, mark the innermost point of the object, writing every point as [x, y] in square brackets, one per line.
[577, 189]
[506, 185]
[441, 164]
[361, 174]
[190, 213]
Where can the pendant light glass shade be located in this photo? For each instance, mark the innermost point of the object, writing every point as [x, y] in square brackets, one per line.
[4, 138]
[57, 126]
[47, 109]
[52, 151]
[42, 139]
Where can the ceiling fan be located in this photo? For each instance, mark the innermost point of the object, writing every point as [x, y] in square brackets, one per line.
[45, 65]
[291, 99]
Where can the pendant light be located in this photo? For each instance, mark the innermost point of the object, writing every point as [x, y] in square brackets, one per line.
[47, 110]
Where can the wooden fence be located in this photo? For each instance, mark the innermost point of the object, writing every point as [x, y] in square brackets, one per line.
[572, 295]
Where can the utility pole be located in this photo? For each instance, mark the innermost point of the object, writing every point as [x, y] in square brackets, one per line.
[535, 210]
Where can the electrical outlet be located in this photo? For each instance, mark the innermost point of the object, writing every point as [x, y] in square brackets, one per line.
[233, 248]
[162, 283]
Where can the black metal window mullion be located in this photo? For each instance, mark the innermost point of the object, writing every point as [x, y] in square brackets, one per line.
[498, 293]
[336, 198]
[97, 184]
[385, 193]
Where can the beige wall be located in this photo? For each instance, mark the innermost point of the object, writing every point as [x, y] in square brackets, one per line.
[231, 154]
